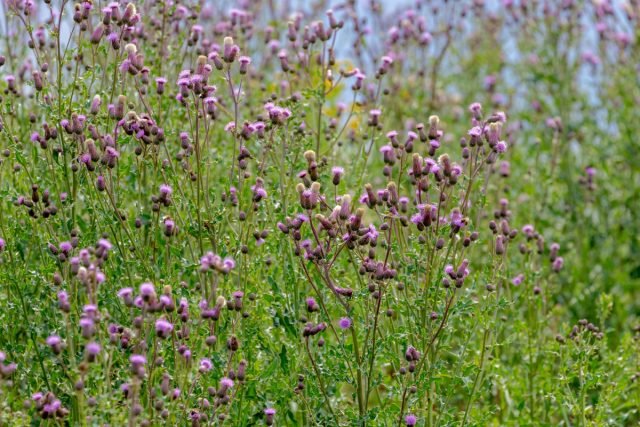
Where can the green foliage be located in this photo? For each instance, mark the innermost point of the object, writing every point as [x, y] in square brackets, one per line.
[461, 309]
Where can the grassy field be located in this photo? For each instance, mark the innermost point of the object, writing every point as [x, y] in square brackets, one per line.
[335, 213]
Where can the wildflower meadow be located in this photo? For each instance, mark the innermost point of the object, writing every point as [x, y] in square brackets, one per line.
[323, 212]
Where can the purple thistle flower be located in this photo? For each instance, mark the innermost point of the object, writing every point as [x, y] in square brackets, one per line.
[360, 77]
[92, 350]
[88, 327]
[517, 281]
[163, 328]
[125, 293]
[160, 85]
[412, 355]
[63, 301]
[312, 305]
[187, 355]
[528, 230]
[53, 340]
[392, 136]
[11, 82]
[374, 117]
[104, 244]
[411, 136]
[225, 384]
[269, 416]
[137, 360]
[169, 227]
[165, 190]
[337, 172]
[66, 247]
[8, 369]
[344, 323]
[501, 146]
[557, 265]
[124, 388]
[51, 408]
[175, 393]
[410, 420]
[244, 64]
[166, 301]
[147, 291]
[205, 365]
[90, 310]
[475, 132]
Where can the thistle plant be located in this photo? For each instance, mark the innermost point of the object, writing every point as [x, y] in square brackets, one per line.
[333, 214]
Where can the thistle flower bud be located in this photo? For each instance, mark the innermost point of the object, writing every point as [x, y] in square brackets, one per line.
[412, 355]
[388, 154]
[119, 107]
[284, 61]
[217, 61]
[37, 81]
[225, 384]
[244, 64]
[148, 292]
[557, 264]
[310, 156]
[205, 365]
[476, 110]
[95, 105]
[131, 49]
[259, 191]
[499, 247]
[493, 134]
[201, 62]
[55, 343]
[434, 121]
[129, 14]
[11, 82]
[92, 350]
[230, 50]
[88, 327]
[137, 364]
[160, 85]
[77, 123]
[269, 415]
[100, 183]
[374, 117]
[170, 228]
[97, 34]
[232, 343]
[163, 328]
